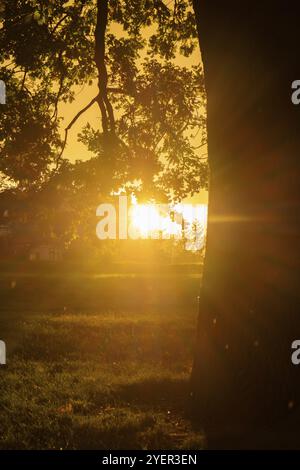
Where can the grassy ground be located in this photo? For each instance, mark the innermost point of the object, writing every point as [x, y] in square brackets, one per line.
[97, 361]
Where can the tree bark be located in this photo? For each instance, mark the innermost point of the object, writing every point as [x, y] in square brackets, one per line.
[249, 315]
[107, 113]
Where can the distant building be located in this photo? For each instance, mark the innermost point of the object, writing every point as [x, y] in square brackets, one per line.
[4, 230]
[45, 252]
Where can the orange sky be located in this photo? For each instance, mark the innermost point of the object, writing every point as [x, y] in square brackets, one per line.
[76, 150]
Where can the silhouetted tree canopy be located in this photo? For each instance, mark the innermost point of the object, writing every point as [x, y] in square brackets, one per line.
[150, 138]
[151, 107]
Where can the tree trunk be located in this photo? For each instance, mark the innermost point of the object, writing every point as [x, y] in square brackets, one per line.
[250, 303]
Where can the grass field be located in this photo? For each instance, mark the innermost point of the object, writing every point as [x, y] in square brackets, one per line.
[97, 361]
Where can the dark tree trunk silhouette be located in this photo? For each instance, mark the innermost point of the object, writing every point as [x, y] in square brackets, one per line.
[250, 296]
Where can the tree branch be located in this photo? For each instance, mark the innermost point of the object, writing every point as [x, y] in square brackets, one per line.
[108, 119]
[71, 124]
[59, 23]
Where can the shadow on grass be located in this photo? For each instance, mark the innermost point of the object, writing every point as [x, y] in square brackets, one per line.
[166, 393]
[148, 414]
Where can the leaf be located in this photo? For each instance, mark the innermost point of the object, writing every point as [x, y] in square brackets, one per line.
[36, 15]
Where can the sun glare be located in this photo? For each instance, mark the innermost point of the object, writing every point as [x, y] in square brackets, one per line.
[161, 221]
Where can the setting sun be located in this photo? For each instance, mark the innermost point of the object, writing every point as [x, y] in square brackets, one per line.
[164, 221]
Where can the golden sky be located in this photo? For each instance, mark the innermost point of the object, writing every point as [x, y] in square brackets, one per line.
[76, 150]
